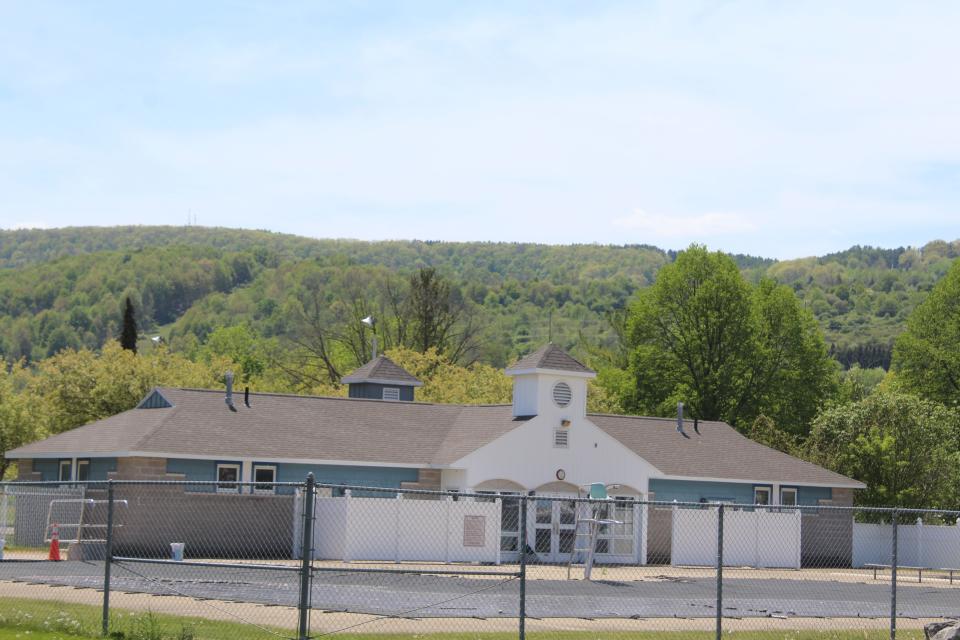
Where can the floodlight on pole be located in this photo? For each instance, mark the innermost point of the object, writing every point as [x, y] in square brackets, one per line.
[372, 323]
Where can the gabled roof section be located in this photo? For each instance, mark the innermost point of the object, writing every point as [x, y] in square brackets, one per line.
[382, 370]
[718, 452]
[155, 401]
[287, 427]
[550, 357]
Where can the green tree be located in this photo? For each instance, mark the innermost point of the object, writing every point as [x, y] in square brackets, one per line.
[731, 351]
[903, 447]
[18, 420]
[128, 335]
[927, 355]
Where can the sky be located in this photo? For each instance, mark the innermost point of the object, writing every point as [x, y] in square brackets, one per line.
[781, 129]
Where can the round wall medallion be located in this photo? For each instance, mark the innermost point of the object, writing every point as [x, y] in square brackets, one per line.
[561, 474]
[562, 394]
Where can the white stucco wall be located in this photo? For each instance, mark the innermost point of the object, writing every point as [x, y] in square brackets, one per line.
[527, 456]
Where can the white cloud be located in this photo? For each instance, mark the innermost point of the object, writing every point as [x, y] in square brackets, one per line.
[677, 226]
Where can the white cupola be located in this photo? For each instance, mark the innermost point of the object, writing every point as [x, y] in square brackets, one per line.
[550, 380]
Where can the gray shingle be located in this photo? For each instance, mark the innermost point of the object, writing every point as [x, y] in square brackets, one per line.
[278, 426]
[550, 356]
[718, 451]
[382, 370]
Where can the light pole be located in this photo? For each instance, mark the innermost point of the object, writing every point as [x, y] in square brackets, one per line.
[372, 323]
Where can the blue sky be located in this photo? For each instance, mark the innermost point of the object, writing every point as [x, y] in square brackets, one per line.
[774, 128]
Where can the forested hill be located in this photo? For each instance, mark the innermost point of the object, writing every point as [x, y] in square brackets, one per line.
[65, 287]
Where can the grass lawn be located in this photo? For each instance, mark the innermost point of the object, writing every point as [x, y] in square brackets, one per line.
[25, 619]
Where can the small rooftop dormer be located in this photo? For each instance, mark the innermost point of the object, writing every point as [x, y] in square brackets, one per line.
[382, 379]
[549, 379]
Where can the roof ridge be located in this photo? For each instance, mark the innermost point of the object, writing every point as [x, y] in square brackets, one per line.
[671, 420]
[277, 394]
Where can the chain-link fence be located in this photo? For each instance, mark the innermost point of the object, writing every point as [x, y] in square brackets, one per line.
[298, 560]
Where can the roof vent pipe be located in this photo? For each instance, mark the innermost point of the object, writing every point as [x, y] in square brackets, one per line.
[246, 397]
[228, 377]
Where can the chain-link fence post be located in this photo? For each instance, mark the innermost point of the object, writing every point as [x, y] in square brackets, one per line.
[893, 577]
[306, 548]
[107, 559]
[523, 567]
[719, 571]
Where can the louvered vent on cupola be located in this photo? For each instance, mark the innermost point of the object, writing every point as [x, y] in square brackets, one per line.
[155, 400]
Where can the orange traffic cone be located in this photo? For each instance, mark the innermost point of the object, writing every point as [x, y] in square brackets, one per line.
[54, 543]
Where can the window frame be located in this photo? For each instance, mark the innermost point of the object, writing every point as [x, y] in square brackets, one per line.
[83, 463]
[232, 486]
[759, 488]
[264, 491]
[68, 463]
[796, 496]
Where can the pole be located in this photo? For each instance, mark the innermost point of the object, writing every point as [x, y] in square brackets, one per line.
[306, 547]
[893, 579]
[523, 567]
[719, 571]
[108, 560]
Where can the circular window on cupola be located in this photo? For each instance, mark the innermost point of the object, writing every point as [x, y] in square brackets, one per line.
[562, 394]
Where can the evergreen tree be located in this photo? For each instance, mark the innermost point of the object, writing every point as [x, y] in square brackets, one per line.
[128, 337]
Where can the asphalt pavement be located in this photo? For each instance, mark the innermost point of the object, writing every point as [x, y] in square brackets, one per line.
[432, 596]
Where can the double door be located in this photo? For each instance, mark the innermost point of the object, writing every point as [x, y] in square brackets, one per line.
[554, 529]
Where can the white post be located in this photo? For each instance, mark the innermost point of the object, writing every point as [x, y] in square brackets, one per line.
[396, 527]
[497, 502]
[446, 522]
[920, 559]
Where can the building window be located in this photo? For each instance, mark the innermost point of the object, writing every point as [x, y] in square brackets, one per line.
[65, 471]
[562, 394]
[391, 393]
[265, 475]
[761, 495]
[561, 438]
[788, 497]
[228, 475]
[83, 470]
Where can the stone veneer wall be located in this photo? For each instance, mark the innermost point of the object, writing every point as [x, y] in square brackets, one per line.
[26, 473]
[428, 479]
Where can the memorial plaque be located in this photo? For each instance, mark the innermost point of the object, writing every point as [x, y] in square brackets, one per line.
[474, 531]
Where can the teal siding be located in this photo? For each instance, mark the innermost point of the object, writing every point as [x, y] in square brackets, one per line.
[693, 491]
[737, 492]
[391, 477]
[155, 401]
[100, 467]
[49, 470]
[811, 496]
[338, 474]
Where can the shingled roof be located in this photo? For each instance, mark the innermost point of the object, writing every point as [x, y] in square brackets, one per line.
[717, 451]
[278, 426]
[382, 370]
[288, 427]
[549, 357]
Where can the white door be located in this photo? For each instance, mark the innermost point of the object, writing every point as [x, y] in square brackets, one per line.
[554, 528]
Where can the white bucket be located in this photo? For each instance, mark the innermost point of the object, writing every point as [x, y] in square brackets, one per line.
[176, 551]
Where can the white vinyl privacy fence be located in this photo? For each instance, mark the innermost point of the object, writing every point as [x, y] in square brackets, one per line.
[757, 538]
[918, 545]
[405, 529]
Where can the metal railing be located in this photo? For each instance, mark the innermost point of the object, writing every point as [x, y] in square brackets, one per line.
[389, 560]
